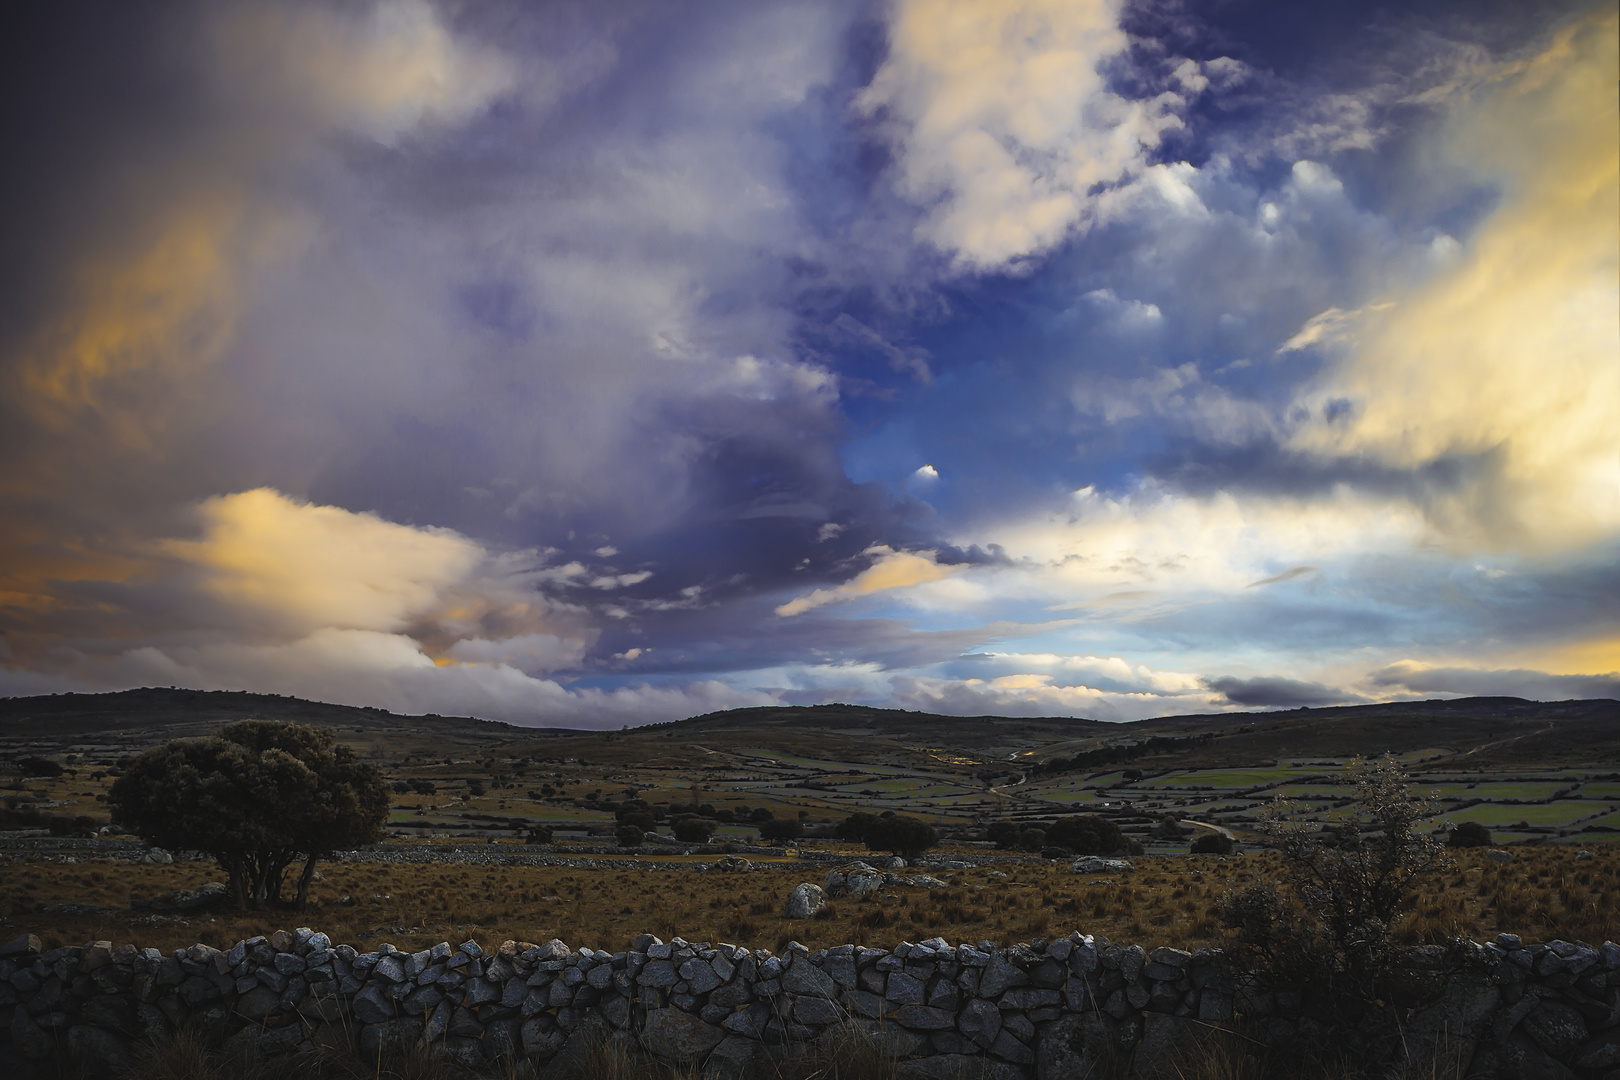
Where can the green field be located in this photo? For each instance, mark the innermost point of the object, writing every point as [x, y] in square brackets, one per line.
[1235, 778]
[1503, 790]
[1557, 813]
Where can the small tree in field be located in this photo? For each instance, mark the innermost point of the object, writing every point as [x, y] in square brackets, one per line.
[906, 837]
[774, 830]
[1470, 834]
[1342, 888]
[256, 798]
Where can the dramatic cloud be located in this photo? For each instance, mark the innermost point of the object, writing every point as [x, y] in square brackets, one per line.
[1508, 355]
[594, 365]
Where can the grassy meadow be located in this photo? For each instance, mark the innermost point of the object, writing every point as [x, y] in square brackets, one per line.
[1545, 893]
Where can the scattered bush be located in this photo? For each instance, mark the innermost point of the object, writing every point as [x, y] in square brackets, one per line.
[693, 830]
[1469, 834]
[780, 830]
[854, 827]
[905, 837]
[1212, 843]
[1088, 834]
[1329, 919]
[1004, 834]
[641, 819]
[629, 836]
[39, 766]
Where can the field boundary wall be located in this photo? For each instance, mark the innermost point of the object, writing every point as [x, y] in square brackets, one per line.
[1049, 1009]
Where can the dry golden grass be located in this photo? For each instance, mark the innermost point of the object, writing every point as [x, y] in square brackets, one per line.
[1545, 893]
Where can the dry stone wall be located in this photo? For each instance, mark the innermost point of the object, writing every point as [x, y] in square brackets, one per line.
[1047, 1009]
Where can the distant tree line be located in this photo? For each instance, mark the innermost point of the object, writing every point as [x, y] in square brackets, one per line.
[1074, 834]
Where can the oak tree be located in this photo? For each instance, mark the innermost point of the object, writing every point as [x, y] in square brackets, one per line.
[258, 797]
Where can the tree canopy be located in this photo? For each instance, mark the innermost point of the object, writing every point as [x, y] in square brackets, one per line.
[257, 797]
[906, 837]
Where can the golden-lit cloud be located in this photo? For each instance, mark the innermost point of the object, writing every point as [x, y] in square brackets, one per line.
[174, 299]
[310, 567]
[892, 570]
[1513, 353]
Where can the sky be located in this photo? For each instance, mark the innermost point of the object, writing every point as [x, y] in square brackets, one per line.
[592, 365]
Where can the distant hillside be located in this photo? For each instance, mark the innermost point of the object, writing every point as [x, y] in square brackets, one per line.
[172, 713]
[1476, 733]
[1491, 731]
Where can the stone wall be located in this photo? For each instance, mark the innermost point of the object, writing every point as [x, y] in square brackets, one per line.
[1048, 1009]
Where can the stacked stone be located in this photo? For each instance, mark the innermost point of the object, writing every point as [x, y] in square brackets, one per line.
[1048, 1009]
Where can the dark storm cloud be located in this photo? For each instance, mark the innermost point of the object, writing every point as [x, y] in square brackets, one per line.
[1275, 693]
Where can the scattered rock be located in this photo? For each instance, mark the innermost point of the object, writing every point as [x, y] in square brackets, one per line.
[805, 900]
[1498, 855]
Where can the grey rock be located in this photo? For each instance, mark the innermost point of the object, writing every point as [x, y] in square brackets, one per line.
[659, 973]
[1029, 997]
[31, 1040]
[999, 976]
[464, 1022]
[816, 1011]
[389, 1037]
[1009, 1048]
[91, 1045]
[979, 1021]
[259, 1003]
[904, 989]
[502, 1039]
[924, 1018]
[1214, 1005]
[700, 975]
[540, 1037]
[1556, 1028]
[750, 1022]
[803, 977]
[805, 900]
[1075, 1047]
[866, 1004]
[1498, 855]
[372, 1006]
[388, 967]
[731, 1058]
[678, 1036]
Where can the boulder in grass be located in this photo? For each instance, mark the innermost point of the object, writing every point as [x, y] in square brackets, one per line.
[805, 900]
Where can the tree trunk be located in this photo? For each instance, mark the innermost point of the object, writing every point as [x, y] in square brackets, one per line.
[233, 871]
[304, 880]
